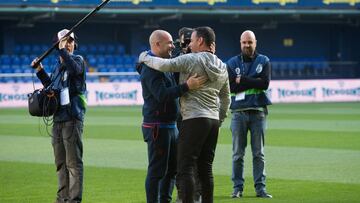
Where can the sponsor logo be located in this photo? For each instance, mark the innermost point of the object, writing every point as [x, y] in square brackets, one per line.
[135, 2]
[5, 97]
[101, 96]
[350, 2]
[328, 92]
[210, 2]
[13, 97]
[281, 2]
[283, 93]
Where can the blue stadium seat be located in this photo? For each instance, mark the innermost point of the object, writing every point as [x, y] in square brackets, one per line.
[17, 49]
[110, 49]
[26, 49]
[119, 61]
[103, 69]
[91, 60]
[83, 49]
[101, 61]
[36, 49]
[6, 70]
[320, 68]
[25, 60]
[92, 49]
[129, 61]
[27, 69]
[16, 69]
[292, 67]
[120, 69]
[120, 49]
[110, 61]
[5, 59]
[101, 49]
[16, 60]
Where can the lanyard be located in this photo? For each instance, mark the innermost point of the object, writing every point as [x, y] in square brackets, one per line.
[241, 69]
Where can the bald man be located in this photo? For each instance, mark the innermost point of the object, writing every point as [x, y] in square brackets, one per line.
[160, 110]
[249, 77]
[203, 111]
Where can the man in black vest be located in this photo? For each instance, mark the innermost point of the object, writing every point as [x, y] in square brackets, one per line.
[67, 78]
[249, 77]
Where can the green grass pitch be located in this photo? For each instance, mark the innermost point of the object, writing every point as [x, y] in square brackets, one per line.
[312, 155]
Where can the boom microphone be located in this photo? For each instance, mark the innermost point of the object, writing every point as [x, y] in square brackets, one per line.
[70, 31]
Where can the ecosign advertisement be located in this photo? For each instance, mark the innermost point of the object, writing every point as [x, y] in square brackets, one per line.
[130, 93]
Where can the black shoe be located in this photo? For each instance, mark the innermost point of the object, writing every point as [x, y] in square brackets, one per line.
[263, 194]
[236, 194]
[197, 198]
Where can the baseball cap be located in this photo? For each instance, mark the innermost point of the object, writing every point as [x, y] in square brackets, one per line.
[63, 32]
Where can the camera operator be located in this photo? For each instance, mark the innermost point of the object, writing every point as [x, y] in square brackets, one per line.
[182, 44]
[68, 79]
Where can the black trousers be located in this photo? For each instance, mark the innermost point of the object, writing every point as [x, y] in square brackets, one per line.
[196, 146]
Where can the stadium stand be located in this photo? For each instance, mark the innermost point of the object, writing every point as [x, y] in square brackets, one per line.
[102, 58]
[316, 44]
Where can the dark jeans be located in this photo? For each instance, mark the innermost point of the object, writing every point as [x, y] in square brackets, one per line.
[196, 146]
[68, 152]
[161, 172]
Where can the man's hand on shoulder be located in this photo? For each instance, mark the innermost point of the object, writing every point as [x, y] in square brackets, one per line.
[195, 81]
[142, 56]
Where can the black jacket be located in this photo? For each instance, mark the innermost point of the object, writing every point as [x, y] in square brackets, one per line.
[160, 93]
[72, 73]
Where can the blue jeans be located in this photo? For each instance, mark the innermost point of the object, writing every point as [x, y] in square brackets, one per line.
[160, 179]
[242, 122]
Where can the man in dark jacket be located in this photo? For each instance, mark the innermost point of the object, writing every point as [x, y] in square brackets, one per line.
[202, 110]
[67, 78]
[249, 77]
[160, 110]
